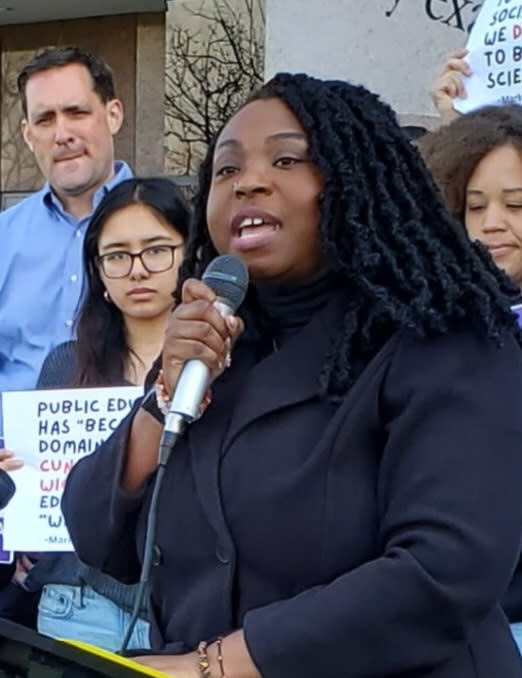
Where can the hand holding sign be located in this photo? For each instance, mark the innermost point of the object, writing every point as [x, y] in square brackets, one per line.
[494, 56]
[8, 462]
[449, 85]
[23, 567]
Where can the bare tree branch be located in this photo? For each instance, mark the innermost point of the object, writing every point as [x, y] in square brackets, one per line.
[210, 70]
[18, 166]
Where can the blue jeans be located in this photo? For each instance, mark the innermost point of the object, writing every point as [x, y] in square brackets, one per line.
[79, 613]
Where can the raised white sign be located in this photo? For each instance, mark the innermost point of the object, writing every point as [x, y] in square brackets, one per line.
[495, 56]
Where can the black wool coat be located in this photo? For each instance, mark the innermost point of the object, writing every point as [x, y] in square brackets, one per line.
[370, 538]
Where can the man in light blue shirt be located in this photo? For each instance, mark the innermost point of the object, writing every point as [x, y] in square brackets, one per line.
[71, 115]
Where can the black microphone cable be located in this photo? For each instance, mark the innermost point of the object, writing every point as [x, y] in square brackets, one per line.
[167, 444]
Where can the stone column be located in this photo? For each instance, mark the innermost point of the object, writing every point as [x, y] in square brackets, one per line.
[150, 95]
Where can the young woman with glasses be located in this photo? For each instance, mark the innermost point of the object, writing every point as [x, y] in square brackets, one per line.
[132, 251]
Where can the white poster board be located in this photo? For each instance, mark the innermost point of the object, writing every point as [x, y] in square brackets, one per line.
[495, 57]
[50, 431]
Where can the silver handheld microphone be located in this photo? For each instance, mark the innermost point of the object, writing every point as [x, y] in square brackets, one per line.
[228, 277]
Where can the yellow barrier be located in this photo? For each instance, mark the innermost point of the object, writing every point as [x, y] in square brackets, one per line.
[116, 659]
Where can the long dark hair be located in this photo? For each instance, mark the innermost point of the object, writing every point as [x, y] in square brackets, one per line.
[406, 264]
[102, 346]
[453, 152]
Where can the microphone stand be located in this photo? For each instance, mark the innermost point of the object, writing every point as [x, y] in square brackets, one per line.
[168, 441]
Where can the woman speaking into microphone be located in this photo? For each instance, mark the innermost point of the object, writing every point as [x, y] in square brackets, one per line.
[349, 502]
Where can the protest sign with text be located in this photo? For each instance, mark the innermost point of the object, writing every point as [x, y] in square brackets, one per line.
[495, 56]
[50, 431]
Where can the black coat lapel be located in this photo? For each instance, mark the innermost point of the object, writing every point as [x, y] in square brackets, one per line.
[250, 390]
[286, 376]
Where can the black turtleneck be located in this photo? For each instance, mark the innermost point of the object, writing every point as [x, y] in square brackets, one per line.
[285, 309]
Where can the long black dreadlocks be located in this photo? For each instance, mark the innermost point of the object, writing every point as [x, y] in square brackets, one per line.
[407, 264]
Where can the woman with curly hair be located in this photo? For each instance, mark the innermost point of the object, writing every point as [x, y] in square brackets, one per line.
[345, 505]
[477, 163]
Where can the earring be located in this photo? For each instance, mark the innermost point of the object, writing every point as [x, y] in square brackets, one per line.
[107, 297]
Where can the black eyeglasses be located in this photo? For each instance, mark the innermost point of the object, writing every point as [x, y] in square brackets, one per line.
[155, 259]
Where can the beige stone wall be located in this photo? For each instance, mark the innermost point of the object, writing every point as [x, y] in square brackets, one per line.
[395, 47]
[134, 47]
[18, 172]
[150, 95]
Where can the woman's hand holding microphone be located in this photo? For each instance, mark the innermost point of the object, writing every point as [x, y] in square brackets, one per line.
[197, 330]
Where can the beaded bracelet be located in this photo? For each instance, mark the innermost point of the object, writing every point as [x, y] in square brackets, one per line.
[203, 662]
[219, 644]
[163, 399]
[162, 395]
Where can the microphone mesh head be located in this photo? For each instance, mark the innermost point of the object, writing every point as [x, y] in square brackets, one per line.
[228, 277]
